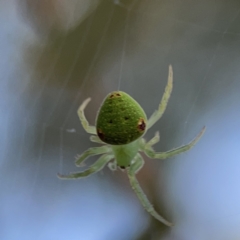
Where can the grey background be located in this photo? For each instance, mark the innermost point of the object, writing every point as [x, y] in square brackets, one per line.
[55, 54]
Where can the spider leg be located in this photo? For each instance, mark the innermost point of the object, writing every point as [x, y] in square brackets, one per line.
[143, 144]
[163, 104]
[154, 140]
[91, 152]
[84, 121]
[97, 166]
[96, 139]
[163, 155]
[132, 170]
[113, 165]
[137, 164]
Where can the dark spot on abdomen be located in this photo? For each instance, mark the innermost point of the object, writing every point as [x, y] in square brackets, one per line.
[100, 134]
[141, 124]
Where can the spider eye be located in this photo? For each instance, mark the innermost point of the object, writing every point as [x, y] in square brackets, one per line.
[120, 120]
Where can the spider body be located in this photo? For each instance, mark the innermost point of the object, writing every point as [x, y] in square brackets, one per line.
[120, 125]
[120, 120]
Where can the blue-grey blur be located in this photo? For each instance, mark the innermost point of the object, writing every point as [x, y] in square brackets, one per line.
[54, 54]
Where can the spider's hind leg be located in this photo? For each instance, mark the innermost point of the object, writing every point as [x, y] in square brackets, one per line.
[97, 166]
[137, 164]
[91, 152]
[132, 170]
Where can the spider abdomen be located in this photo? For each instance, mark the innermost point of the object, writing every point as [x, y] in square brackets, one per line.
[120, 120]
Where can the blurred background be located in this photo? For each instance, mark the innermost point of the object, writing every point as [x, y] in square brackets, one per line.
[55, 54]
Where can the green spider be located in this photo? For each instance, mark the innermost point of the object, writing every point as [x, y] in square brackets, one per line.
[120, 125]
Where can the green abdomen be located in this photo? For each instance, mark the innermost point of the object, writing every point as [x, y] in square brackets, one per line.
[121, 120]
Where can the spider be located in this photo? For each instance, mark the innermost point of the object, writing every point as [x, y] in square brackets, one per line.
[120, 125]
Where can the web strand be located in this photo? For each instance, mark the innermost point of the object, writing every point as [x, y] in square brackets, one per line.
[209, 67]
[90, 69]
[61, 151]
[25, 87]
[123, 50]
[60, 167]
[125, 36]
[73, 66]
[39, 157]
[48, 77]
[20, 156]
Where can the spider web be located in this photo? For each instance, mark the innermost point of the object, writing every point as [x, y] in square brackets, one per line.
[124, 45]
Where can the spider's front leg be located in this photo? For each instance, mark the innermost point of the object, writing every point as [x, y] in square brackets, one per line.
[97, 166]
[132, 170]
[84, 121]
[163, 104]
[163, 155]
[96, 139]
